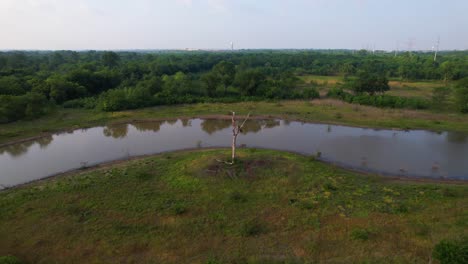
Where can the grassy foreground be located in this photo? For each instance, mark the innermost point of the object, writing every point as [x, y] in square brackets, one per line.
[324, 110]
[185, 207]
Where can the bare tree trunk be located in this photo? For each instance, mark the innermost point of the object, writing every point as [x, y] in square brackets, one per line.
[236, 129]
[234, 137]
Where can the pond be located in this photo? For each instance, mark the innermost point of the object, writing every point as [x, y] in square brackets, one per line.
[414, 153]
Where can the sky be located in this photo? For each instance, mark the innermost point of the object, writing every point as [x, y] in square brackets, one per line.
[249, 24]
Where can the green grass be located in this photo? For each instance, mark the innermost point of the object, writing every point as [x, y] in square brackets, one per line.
[327, 81]
[271, 206]
[324, 110]
[397, 87]
[414, 89]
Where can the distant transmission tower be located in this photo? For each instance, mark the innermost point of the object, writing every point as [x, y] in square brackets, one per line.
[397, 48]
[437, 48]
[410, 44]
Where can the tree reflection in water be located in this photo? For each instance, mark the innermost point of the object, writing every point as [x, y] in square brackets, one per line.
[172, 122]
[186, 122]
[22, 148]
[210, 126]
[457, 137]
[148, 126]
[116, 131]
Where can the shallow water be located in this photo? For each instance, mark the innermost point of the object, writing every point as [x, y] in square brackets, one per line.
[415, 153]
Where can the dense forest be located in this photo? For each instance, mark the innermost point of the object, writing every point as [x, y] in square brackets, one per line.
[34, 83]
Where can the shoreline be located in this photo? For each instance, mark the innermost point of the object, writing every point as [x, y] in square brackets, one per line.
[108, 164]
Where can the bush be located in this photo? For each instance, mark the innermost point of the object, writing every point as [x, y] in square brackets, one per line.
[310, 93]
[252, 228]
[383, 101]
[337, 93]
[360, 234]
[126, 98]
[461, 95]
[451, 252]
[87, 103]
[28, 106]
[440, 96]
[9, 260]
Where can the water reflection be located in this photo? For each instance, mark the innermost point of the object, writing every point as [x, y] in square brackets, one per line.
[116, 131]
[211, 126]
[148, 126]
[186, 122]
[44, 141]
[254, 126]
[22, 148]
[457, 137]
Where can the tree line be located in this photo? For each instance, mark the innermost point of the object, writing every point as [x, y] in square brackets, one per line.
[34, 83]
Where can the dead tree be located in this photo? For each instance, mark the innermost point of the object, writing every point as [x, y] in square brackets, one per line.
[236, 129]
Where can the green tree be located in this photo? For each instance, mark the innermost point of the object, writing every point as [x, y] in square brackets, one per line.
[113, 100]
[370, 82]
[154, 84]
[30, 105]
[346, 70]
[448, 70]
[249, 81]
[11, 85]
[110, 59]
[61, 90]
[225, 72]
[211, 82]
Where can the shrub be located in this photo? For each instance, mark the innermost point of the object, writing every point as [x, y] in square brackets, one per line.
[310, 93]
[360, 234]
[440, 96]
[237, 197]
[126, 98]
[461, 95]
[87, 103]
[9, 260]
[452, 252]
[252, 228]
[177, 207]
[336, 93]
[28, 106]
[383, 101]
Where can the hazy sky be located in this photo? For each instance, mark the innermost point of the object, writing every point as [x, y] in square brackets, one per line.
[178, 24]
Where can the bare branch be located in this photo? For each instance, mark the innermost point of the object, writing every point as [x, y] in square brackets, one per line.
[225, 162]
[245, 120]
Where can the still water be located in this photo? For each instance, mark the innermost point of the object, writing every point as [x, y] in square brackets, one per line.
[415, 153]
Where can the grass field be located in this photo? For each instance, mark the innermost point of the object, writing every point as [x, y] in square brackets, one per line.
[414, 89]
[397, 88]
[185, 207]
[324, 110]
